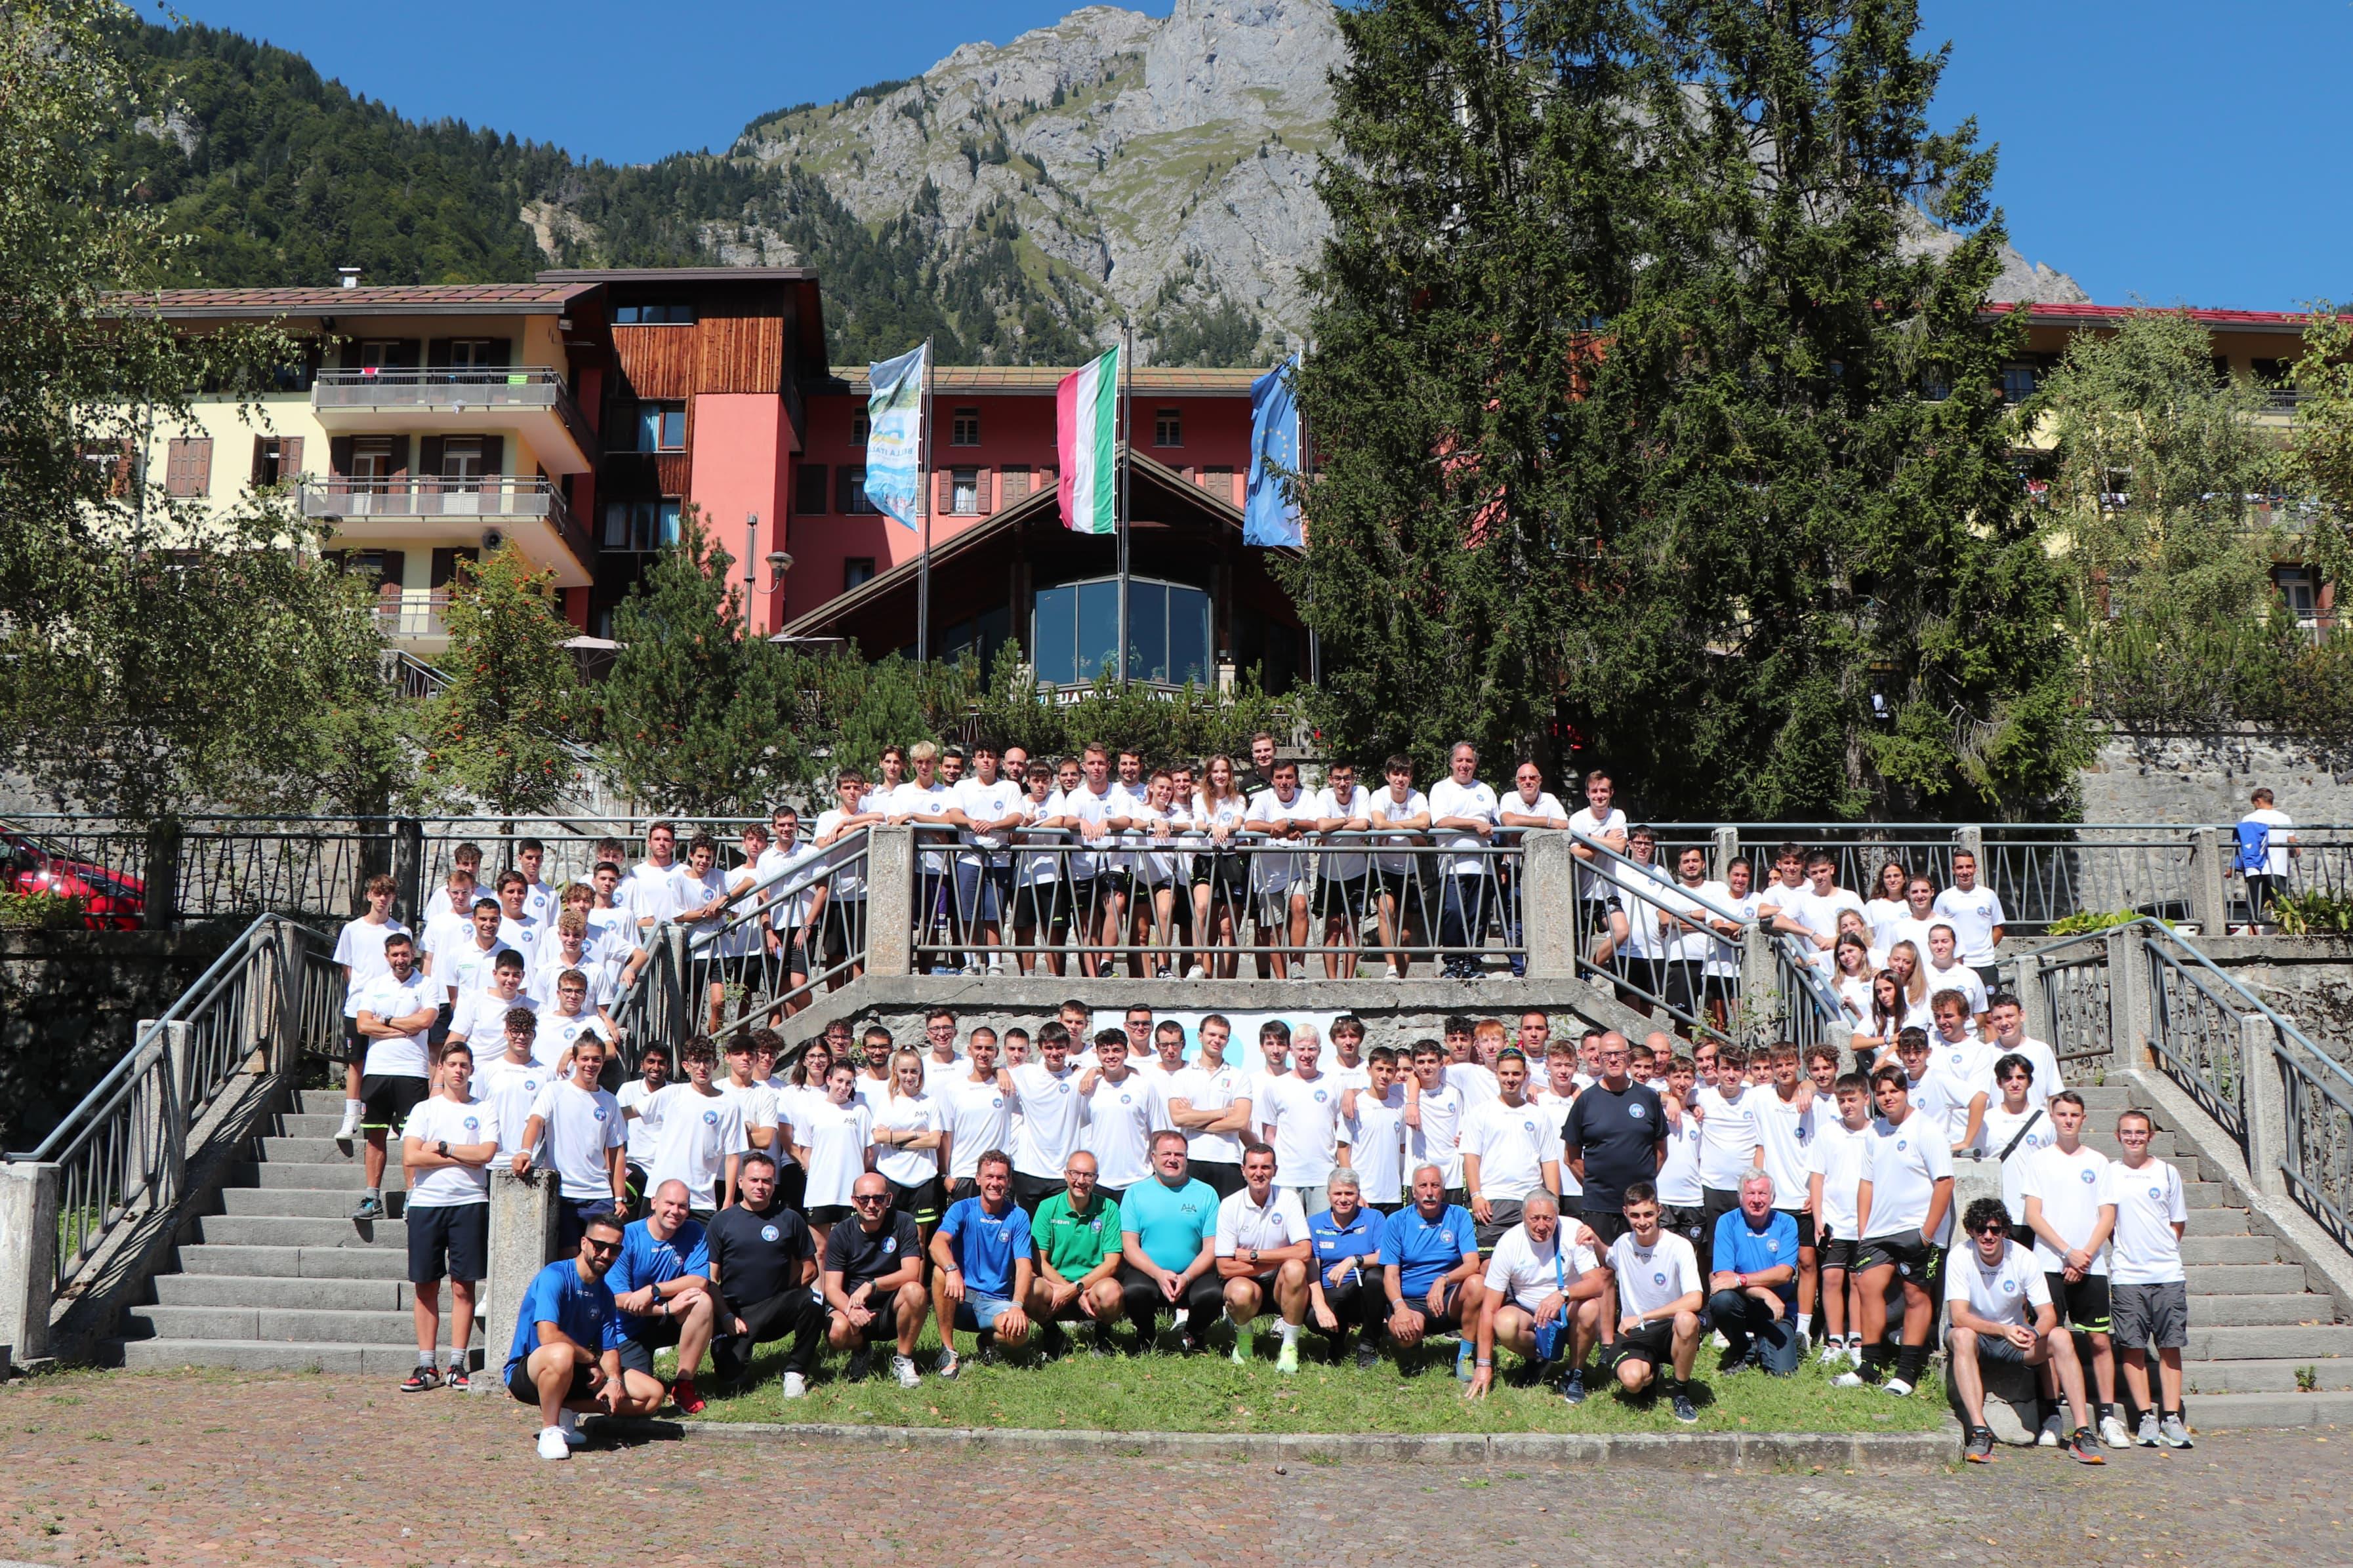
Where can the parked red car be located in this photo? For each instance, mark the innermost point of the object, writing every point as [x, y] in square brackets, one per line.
[111, 900]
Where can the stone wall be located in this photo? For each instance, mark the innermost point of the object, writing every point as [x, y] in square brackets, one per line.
[71, 1003]
[2207, 779]
[2310, 979]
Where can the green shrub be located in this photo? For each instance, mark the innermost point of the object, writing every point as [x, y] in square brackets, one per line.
[2091, 920]
[41, 912]
[2314, 914]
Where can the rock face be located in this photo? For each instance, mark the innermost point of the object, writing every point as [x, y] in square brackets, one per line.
[1145, 171]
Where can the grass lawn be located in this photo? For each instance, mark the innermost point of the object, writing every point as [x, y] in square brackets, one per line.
[1208, 1392]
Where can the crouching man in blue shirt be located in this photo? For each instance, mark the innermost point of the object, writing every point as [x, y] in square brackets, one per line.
[566, 1354]
[1754, 1288]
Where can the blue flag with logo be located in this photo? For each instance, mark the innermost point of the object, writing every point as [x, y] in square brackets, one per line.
[894, 435]
[1269, 515]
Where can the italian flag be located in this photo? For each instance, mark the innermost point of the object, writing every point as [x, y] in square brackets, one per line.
[1086, 437]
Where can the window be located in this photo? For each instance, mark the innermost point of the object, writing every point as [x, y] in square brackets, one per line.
[1075, 632]
[856, 570]
[1016, 481]
[964, 491]
[641, 525]
[188, 466]
[2299, 590]
[276, 458]
[469, 353]
[1935, 385]
[660, 427]
[379, 354]
[858, 426]
[672, 314]
[963, 428]
[2017, 382]
[1168, 427]
[808, 490]
[850, 492]
[461, 458]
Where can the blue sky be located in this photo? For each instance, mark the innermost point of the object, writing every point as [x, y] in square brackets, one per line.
[2164, 149]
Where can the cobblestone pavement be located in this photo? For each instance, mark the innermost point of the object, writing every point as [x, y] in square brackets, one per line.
[293, 1471]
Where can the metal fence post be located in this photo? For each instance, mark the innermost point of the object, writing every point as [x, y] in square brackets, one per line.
[2263, 1104]
[28, 1259]
[409, 867]
[1728, 850]
[161, 874]
[292, 979]
[1548, 905]
[890, 900]
[1970, 840]
[2209, 903]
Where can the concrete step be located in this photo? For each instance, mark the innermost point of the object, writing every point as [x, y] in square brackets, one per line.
[2219, 1412]
[302, 1202]
[318, 1176]
[2252, 1311]
[2206, 1195]
[2245, 1280]
[2277, 1376]
[286, 1325]
[295, 1262]
[295, 1125]
[2107, 1097]
[2200, 1250]
[387, 1360]
[284, 1294]
[2216, 1221]
[256, 1230]
[2302, 1342]
[319, 1151]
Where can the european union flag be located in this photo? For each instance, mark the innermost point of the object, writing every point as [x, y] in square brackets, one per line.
[1269, 515]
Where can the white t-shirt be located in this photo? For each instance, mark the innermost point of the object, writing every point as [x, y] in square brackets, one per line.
[1839, 1155]
[1473, 801]
[359, 947]
[1512, 1143]
[2276, 846]
[630, 1095]
[1724, 957]
[1592, 883]
[1697, 942]
[1678, 1179]
[1729, 1136]
[709, 934]
[2149, 1203]
[938, 1075]
[1272, 871]
[848, 857]
[1120, 1119]
[1305, 1116]
[757, 1101]
[1339, 866]
[557, 1031]
[479, 1018]
[651, 892]
[1885, 915]
[871, 1092]
[2073, 1189]
[1776, 896]
[2047, 1080]
[1525, 1273]
[525, 936]
[1786, 1128]
[1819, 913]
[921, 1113]
[1652, 1277]
[1967, 1061]
[693, 1134]
[1643, 892]
[386, 998]
[1281, 1221]
[1476, 1084]
[582, 1126]
[978, 1119]
[539, 902]
[1945, 1100]
[2001, 1128]
[602, 976]
[1904, 1166]
[510, 1089]
[1158, 833]
[468, 966]
[1376, 1139]
[1961, 977]
[1437, 1142]
[1915, 932]
[1213, 1088]
[1051, 1118]
[1093, 810]
[1385, 808]
[612, 934]
[461, 1123]
[988, 803]
[836, 1138]
[445, 928]
[923, 805]
[2012, 1291]
[1972, 915]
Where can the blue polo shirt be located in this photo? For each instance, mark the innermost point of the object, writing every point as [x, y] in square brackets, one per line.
[583, 1309]
[985, 1244]
[1423, 1249]
[1334, 1241]
[647, 1260]
[1741, 1249]
[1169, 1224]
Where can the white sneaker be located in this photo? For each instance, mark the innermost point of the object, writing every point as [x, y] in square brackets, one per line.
[2052, 1433]
[2113, 1433]
[551, 1445]
[795, 1385]
[1834, 1352]
[903, 1368]
[350, 1129]
[1197, 972]
[567, 1422]
[1897, 1387]
[1849, 1379]
[1393, 973]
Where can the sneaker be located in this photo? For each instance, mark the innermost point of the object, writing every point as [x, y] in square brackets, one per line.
[2174, 1433]
[568, 1423]
[1196, 972]
[2052, 1433]
[1850, 1378]
[1572, 1387]
[2086, 1447]
[2146, 1437]
[350, 1130]
[687, 1397]
[902, 1367]
[795, 1385]
[1980, 1448]
[420, 1380]
[1832, 1353]
[553, 1444]
[1367, 1357]
[1162, 972]
[457, 1381]
[1287, 1359]
[1897, 1387]
[1465, 1353]
[368, 1209]
[1052, 1342]
[861, 1363]
[2112, 1431]
[1242, 1350]
[1685, 1411]
[1393, 973]
[1186, 1343]
[949, 1365]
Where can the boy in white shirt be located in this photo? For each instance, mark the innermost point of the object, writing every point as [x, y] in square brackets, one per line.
[989, 807]
[359, 948]
[1510, 1152]
[1903, 1212]
[842, 923]
[1944, 970]
[2267, 848]
[2148, 1293]
[1731, 1144]
[1372, 1132]
[1976, 915]
[1599, 911]
[1465, 815]
[1834, 1171]
[1343, 887]
[1999, 1305]
[447, 1144]
[1277, 879]
[1528, 804]
[697, 1135]
[1395, 875]
[1661, 1290]
[2071, 1211]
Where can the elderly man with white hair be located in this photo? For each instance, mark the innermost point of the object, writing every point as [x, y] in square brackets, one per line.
[1753, 1290]
[1544, 1296]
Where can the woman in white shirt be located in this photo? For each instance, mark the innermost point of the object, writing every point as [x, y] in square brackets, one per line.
[1221, 877]
[910, 1145]
[1156, 829]
[1904, 962]
[833, 1138]
[1887, 906]
[1853, 983]
[1852, 924]
[1876, 1038]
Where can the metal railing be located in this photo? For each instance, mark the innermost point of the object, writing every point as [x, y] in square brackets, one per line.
[1811, 1012]
[1660, 948]
[122, 1152]
[344, 501]
[412, 612]
[2194, 1029]
[2075, 998]
[450, 389]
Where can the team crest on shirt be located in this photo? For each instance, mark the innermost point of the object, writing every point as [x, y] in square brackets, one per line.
[996, 1102]
[1062, 1088]
[1635, 1111]
[2090, 1176]
[473, 1125]
[2009, 1287]
[769, 1232]
[2154, 1192]
[1659, 1278]
[1126, 1099]
[1902, 1144]
[890, 1244]
[1772, 1244]
[599, 1113]
[710, 1118]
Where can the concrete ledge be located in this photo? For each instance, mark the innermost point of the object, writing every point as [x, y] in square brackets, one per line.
[1694, 1450]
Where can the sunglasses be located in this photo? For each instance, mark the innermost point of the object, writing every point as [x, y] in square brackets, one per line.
[872, 1198]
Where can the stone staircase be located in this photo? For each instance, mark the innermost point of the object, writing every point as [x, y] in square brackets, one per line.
[282, 1279]
[2254, 1321]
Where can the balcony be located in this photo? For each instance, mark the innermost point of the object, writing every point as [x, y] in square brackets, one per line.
[375, 513]
[413, 616]
[531, 400]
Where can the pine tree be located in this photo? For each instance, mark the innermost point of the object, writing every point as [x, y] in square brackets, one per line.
[495, 732]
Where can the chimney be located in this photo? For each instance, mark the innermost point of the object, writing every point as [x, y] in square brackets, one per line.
[349, 276]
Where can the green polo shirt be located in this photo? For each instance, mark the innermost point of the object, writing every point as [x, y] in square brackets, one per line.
[1074, 1245]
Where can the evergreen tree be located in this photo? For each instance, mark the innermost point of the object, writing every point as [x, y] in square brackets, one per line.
[1643, 428]
[494, 732]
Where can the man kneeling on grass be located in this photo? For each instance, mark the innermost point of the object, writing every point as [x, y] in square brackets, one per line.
[1543, 1294]
[566, 1354]
[982, 1259]
[1999, 1305]
[1264, 1253]
[1659, 1298]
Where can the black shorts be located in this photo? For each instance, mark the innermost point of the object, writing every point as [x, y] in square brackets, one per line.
[843, 928]
[1446, 1323]
[1914, 1260]
[1223, 1177]
[1691, 1224]
[1043, 904]
[828, 1214]
[1030, 1190]
[920, 1202]
[1993, 1347]
[519, 1385]
[1344, 897]
[2081, 1303]
[386, 1100]
[1606, 1223]
[450, 1241]
[1593, 915]
[1405, 886]
[355, 1044]
[1844, 1253]
[792, 1186]
[963, 1187]
[1805, 1229]
[1653, 1342]
[1505, 1214]
[637, 1346]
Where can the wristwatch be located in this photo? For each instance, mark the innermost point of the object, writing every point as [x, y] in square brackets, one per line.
[442, 1148]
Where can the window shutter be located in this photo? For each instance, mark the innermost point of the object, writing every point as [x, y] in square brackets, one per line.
[494, 454]
[983, 488]
[429, 455]
[808, 490]
[412, 353]
[947, 488]
[398, 463]
[259, 475]
[437, 354]
[395, 563]
[845, 488]
[289, 457]
[339, 454]
[498, 352]
[200, 466]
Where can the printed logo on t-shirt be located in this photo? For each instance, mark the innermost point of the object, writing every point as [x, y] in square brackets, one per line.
[1772, 1244]
[474, 1125]
[769, 1232]
[2154, 1192]
[890, 1244]
[1659, 1278]
[2008, 1286]
[1126, 1099]
[1635, 1111]
[1527, 1126]
[2090, 1176]
[710, 1118]
[995, 1100]
[531, 1086]
[1062, 1088]
[598, 1112]
[1902, 1144]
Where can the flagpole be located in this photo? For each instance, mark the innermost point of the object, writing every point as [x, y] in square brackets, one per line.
[924, 506]
[1306, 472]
[1126, 415]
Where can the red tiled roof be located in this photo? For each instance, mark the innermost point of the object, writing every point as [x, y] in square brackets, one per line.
[367, 299]
[1152, 380]
[2088, 314]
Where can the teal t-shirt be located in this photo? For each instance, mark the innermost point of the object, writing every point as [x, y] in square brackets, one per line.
[1170, 1224]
